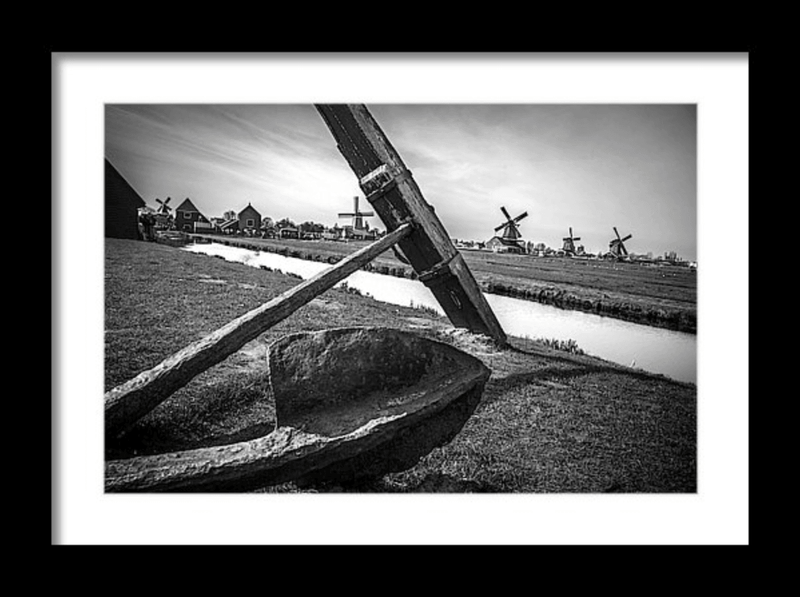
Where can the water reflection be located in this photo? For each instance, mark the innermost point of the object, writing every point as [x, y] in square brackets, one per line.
[653, 349]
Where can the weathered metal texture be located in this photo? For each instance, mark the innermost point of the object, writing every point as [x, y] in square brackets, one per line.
[389, 186]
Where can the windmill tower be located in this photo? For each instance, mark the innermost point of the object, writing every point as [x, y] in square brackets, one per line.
[569, 243]
[511, 235]
[616, 248]
[358, 216]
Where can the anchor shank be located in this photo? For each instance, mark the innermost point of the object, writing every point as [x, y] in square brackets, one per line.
[391, 190]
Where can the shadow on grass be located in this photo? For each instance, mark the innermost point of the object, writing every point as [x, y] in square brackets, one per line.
[563, 370]
[579, 369]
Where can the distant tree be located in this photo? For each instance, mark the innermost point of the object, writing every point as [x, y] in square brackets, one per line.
[285, 223]
[267, 222]
[312, 227]
[229, 215]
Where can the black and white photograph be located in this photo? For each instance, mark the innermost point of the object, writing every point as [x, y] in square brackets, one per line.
[383, 322]
[399, 299]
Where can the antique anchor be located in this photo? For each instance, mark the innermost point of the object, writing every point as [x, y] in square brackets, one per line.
[422, 391]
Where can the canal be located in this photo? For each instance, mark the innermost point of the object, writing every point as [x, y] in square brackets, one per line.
[657, 350]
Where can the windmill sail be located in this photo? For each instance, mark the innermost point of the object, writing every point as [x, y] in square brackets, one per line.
[569, 242]
[164, 208]
[358, 216]
[617, 245]
[510, 228]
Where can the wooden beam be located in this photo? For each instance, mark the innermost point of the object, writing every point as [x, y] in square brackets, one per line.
[395, 196]
[129, 402]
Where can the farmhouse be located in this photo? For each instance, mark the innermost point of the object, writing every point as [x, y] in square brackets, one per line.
[501, 245]
[349, 232]
[331, 233]
[229, 226]
[249, 220]
[189, 219]
[122, 205]
[217, 223]
[288, 232]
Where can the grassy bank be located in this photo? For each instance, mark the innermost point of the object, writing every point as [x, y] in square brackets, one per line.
[549, 421]
[660, 296]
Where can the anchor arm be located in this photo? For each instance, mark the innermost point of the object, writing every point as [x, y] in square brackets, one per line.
[129, 402]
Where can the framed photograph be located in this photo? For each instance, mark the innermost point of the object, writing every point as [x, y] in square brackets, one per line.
[573, 182]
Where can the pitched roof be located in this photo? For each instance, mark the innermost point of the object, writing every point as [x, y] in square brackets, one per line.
[121, 204]
[249, 208]
[187, 205]
[119, 190]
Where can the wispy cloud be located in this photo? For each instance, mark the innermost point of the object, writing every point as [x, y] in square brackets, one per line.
[590, 167]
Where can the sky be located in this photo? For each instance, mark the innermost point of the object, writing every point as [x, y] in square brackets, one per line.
[590, 167]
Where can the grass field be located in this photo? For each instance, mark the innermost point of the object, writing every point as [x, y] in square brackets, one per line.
[550, 421]
[662, 296]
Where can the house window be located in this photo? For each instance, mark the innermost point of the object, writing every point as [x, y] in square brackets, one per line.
[251, 222]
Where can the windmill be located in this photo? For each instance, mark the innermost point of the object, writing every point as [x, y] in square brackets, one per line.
[358, 216]
[569, 243]
[164, 209]
[163, 217]
[511, 235]
[616, 248]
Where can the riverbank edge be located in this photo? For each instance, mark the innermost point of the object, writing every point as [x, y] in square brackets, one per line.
[656, 316]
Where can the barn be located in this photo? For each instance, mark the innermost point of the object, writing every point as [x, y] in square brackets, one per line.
[189, 219]
[229, 227]
[501, 245]
[122, 203]
[249, 220]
